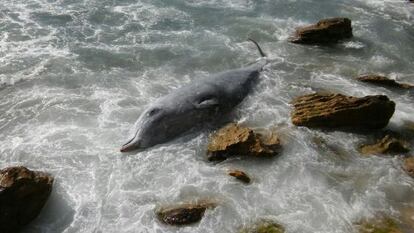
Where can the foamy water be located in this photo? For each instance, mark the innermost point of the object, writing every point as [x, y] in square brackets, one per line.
[76, 74]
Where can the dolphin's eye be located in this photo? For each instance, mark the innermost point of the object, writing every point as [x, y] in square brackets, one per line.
[153, 111]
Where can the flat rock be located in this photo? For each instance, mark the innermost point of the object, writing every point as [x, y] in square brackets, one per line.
[240, 175]
[324, 32]
[383, 81]
[381, 224]
[387, 145]
[234, 140]
[183, 214]
[264, 226]
[23, 193]
[341, 111]
[409, 166]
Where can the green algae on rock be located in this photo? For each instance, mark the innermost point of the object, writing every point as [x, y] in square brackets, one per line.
[264, 226]
[379, 225]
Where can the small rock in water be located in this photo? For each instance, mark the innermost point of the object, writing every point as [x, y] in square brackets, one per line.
[387, 145]
[234, 140]
[240, 175]
[324, 32]
[264, 226]
[341, 111]
[23, 193]
[379, 225]
[183, 214]
[384, 81]
[409, 166]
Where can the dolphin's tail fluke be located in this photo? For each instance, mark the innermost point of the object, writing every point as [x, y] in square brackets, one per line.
[258, 47]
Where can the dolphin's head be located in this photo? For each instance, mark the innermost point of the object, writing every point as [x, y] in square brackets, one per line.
[150, 129]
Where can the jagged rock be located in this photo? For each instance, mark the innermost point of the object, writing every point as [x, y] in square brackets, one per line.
[340, 111]
[234, 139]
[383, 81]
[387, 145]
[240, 175]
[183, 214]
[23, 193]
[264, 226]
[324, 32]
[409, 166]
[379, 225]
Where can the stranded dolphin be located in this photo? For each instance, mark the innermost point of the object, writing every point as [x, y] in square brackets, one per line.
[192, 105]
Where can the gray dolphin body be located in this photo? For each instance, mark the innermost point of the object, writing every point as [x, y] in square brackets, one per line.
[193, 104]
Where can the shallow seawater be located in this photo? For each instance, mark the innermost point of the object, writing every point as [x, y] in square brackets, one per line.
[75, 75]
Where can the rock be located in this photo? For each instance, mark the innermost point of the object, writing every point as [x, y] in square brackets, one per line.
[264, 226]
[234, 140]
[340, 111]
[240, 176]
[324, 32]
[409, 166]
[387, 145]
[379, 225]
[23, 193]
[407, 218]
[383, 81]
[183, 214]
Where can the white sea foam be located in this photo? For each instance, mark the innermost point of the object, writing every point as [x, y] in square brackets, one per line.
[76, 74]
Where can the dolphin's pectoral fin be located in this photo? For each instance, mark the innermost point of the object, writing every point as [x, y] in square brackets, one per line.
[207, 103]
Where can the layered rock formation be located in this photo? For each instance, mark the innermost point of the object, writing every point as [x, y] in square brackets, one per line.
[340, 111]
[234, 140]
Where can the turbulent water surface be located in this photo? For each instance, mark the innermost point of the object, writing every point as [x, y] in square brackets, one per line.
[75, 75]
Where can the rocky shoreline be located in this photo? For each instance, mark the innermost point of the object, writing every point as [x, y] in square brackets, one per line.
[23, 192]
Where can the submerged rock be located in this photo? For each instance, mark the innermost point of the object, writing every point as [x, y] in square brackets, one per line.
[379, 225]
[409, 166]
[387, 145]
[234, 139]
[23, 193]
[264, 226]
[325, 31]
[384, 81]
[240, 175]
[183, 214]
[340, 111]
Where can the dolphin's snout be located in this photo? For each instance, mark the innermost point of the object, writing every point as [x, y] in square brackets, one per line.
[130, 146]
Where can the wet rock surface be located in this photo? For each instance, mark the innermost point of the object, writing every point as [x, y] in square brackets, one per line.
[379, 225]
[234, 140]
[183, 214]
[23, 193]
[341, 111]
[409, 166]
[387, 145]
[324, 32]
[383, 81]
[240, 175]
[264, 226]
